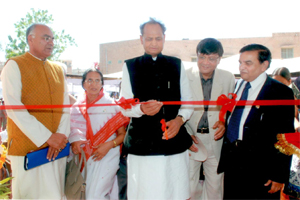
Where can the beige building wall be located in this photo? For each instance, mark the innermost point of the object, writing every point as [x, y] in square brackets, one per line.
[112, 55]
[68, 63]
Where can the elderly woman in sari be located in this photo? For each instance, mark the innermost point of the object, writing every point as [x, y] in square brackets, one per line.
[98, 130]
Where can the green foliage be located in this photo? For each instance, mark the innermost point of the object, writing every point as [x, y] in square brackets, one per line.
[5, 188]
[19, 46]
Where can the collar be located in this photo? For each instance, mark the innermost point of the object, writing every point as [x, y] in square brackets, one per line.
[211, 78]
[36, 57]
[260, 80]
[150, 58]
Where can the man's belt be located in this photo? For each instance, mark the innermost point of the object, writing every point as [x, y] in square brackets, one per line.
[203, 130]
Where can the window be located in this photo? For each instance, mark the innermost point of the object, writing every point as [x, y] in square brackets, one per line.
[194, 59]
[119, 61]
[287, 53]
[109, 62]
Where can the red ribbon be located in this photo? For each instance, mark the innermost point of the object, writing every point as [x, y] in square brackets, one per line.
[227, 105]
[293, 138]
[164, 128]
[127, 103]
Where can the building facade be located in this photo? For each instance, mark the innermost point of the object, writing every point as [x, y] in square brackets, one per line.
[112, 55]
[68, 63]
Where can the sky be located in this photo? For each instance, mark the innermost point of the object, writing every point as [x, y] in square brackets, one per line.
[92, 22]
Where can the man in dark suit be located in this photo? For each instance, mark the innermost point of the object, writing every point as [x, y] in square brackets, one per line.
[253, 168]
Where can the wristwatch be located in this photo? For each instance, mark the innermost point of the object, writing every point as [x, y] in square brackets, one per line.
[183, 120]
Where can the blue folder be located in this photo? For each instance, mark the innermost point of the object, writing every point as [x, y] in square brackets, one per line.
[39, 157]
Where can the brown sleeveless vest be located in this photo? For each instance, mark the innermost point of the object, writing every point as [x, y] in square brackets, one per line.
[42, 84]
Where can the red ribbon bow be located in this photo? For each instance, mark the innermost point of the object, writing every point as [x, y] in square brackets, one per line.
[227, 105]
[127, 103]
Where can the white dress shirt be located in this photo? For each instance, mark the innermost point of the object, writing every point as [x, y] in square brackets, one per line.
[253, 92]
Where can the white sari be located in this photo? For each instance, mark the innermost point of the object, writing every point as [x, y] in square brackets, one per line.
[100, 174]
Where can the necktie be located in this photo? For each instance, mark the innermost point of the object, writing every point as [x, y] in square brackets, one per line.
[234, 123]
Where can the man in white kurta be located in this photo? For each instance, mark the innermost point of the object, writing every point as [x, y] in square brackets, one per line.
[155, 174]
[45, 181]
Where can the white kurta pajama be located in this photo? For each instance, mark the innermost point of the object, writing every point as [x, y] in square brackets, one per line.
[46, 181]
[100, 174]
[171, 180]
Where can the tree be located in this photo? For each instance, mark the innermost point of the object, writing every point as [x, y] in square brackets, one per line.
[19, 46]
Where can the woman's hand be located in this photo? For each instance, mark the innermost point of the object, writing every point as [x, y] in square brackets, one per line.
[102, 150]
[76, 146]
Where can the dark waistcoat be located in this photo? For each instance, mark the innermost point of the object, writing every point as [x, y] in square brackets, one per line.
[155, 80]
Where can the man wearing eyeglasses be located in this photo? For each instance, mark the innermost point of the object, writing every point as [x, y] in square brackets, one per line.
[157, 159]
[31, 79]
[207, 83]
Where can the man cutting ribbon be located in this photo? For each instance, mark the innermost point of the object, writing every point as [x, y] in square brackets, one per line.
[157, 167]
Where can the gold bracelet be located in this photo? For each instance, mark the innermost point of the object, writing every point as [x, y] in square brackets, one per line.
[115, 144]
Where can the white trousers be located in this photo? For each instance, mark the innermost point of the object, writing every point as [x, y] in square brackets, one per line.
[213, 186]
[158, 177]
[44, 182]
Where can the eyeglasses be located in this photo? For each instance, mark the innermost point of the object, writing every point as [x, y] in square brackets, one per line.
[90, 81]
[46, 38]
[210, 59]
[49, 39]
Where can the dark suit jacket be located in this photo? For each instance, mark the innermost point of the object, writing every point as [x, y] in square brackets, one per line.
[256, 159]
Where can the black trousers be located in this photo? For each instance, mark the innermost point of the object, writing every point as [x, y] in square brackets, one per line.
[241, 184]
